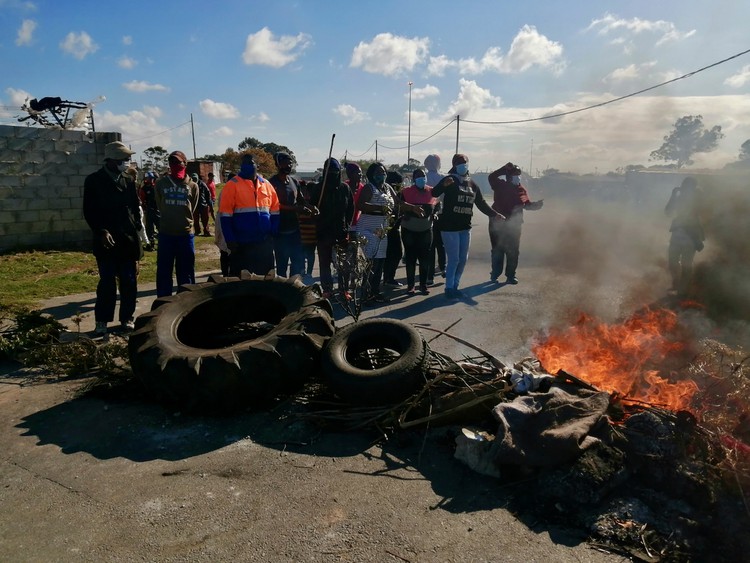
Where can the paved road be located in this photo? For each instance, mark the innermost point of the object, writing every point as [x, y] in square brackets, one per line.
[116, 479]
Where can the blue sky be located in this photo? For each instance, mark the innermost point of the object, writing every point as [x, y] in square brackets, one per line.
[295, 72]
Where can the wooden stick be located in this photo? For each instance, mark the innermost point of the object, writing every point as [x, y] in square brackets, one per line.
[325, 172]
[493, 360]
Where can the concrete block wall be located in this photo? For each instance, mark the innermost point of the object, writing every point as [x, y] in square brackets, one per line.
[41, 186]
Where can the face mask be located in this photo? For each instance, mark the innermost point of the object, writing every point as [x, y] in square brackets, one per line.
[420, 182]
[462, 169]
[287, 169]
[248, 171]
[515, 180]
[177, 170]
[378, 179]
[123, 166]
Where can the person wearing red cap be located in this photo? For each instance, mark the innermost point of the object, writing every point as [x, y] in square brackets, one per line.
[461, 193]
[177, 197]
[510, 199]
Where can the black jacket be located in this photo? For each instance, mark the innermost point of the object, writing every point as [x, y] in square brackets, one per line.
[113, 205]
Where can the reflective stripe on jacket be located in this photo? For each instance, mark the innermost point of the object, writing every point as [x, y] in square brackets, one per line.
[249, 210]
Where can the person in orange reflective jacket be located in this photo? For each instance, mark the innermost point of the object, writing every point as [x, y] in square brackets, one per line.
[249, 215]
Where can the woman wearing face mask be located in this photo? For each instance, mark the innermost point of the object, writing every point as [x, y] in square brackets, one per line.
[416, 232]
[376, 203]
[510, 199]
[460, 195]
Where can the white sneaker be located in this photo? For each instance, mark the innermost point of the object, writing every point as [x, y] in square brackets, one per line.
[128, 325]
[101, 328]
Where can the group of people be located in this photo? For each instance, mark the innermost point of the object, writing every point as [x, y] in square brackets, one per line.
[280, 224]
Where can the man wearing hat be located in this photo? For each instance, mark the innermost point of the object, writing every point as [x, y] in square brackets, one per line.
[249, 216]
[113, 212]
[177, 198]
[510, 199]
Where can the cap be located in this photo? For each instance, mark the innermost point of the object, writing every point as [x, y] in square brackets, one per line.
[512, 169]
[281, 156]
[117, 151]
[333, 165]
[194, 176]
[352, 168]
[459, 159]
[178, 155]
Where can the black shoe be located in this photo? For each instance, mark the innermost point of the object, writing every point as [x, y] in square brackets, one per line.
[513, 280]
[451, 294]
[393, 283]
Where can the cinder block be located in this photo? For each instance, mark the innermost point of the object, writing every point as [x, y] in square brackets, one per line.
[33, 156]
[10, 155]
[9, 130]
[35, 181]
[17, 228]
[72, 214]
[84, 149]
[37, 133]
[59, 203]
[27, 216]
[38, 227]
[9, 182]
[6, 217]
[37, 203]
[15, 204]
[73, 135]
[55, 157]
[44, 145]
[13, 169]
[24, 144]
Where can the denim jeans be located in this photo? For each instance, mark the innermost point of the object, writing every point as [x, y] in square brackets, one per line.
[114, 271]
[287, 248]
[456, 245]
[178, 252]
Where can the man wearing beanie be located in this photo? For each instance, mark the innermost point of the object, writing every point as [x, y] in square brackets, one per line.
[177, 197]
[112, 210]
[510, 199]
[461, 193]
[249, 215]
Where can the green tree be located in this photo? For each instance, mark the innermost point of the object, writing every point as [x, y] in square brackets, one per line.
[745, 152]
[155, 158]
[688, 137]
[249, 143]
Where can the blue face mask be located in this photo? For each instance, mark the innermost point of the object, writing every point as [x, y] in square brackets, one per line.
[515, 180]
[420, 182]
[247, 171]
[462, 169]
[378, 179]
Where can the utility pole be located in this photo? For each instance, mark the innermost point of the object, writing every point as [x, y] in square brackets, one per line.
[408, 140]
[192, 128]
[458, 126]
[376, 150]
[531, 157]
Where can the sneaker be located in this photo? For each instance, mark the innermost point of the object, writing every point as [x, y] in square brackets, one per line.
[493, 278]
[512, 280]
[451, 294]
[127, 325]
[393, 283]
[459, 294]
[101, 328]
[424, 291]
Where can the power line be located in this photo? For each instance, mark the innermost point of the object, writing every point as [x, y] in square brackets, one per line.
[364, 153]
[688, 75]
[423, 140]
[155, 134]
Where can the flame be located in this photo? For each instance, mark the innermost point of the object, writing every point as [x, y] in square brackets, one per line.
[631, 359]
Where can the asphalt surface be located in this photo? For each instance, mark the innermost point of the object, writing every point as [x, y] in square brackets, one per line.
[115, 478]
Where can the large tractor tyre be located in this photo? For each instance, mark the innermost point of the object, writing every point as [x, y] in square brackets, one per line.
[374, 362]
[227, 344]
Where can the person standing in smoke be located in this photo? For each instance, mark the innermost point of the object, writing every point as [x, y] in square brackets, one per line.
[510, 199]
[687, 233]
[437, 253]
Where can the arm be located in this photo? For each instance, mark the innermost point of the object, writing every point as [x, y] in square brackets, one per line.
[482, 205]
[494, 177]
[672, 203]
[363, 203]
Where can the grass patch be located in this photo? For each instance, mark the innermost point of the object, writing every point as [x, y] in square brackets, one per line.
[27, 278]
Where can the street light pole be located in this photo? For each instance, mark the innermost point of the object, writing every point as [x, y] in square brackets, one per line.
[408, 141]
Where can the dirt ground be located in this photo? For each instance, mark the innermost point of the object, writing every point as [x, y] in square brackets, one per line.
[116, 478]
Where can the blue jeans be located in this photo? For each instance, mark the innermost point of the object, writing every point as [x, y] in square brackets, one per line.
[288, 250]
[178, 252]
[456, 245]
[113, 270]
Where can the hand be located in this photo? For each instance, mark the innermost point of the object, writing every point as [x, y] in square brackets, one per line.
[106, 240]
[499, 217]
[418, 211]
[314, 211]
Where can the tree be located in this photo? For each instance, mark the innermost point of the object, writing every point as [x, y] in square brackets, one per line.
[155, 158]
[271, 148]
[688, 137]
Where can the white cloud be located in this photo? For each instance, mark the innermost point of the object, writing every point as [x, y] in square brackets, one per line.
[222, 131]
[79, 45]
[219, 110]
[262, 48]
[126, 62]
[350, 114]
[740, 78]
[390, 54]
[471, 98]
[26, 32]
[143, 86]
[427, 91]
[127, 40]
[135, 126]
[262, 117]
[665, 30]
[630, 72]
[528, 48]
[18, 97]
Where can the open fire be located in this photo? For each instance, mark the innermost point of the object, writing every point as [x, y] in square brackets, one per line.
[637, 359]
